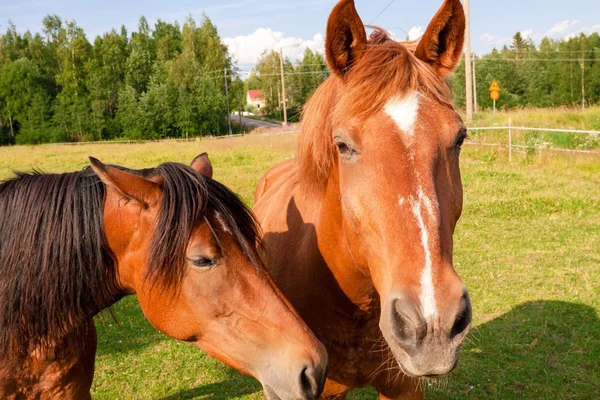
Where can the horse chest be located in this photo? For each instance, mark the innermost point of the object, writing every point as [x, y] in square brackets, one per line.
[356, 348]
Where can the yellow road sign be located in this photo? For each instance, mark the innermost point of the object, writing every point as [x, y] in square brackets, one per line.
[495, 90]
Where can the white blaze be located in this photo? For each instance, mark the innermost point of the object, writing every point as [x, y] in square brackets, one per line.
[403, 111]
[426, 296]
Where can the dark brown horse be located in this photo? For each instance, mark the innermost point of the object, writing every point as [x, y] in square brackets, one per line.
[359, 226]
[73, 244]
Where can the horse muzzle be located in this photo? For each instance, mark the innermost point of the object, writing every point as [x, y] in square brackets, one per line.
[425, 347]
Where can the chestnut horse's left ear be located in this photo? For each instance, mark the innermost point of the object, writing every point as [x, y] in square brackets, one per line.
[442, 43]
[144, 191]
[202, 165]
[346, 38]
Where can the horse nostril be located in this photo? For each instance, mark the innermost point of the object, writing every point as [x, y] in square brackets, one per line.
[309, 383]
[406, 321]
[463, 319]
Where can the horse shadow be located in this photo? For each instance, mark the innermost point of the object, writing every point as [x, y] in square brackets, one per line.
[234, 386]
[540, 349]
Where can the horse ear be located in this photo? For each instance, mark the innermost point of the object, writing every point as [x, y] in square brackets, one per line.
[442, 43]
[146, 192]
[346, 38]
[202, 165]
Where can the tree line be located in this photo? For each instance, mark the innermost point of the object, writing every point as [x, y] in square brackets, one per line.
[159, 83]
[555, 73]
[169, 81]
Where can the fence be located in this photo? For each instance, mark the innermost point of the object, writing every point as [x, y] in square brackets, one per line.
[511, 145]
[509, 128]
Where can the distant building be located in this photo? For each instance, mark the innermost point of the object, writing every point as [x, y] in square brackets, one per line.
[255, 98]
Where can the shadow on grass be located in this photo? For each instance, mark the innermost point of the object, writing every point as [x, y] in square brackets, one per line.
[538, 350]
[224, 390]
[128, 331]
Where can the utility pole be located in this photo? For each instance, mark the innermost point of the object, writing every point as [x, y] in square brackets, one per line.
[474, 85]
[469, 88]
[582, 82]
[227, 95]
[283, 87]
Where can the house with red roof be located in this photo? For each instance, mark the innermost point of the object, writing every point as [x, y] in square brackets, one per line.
[255, 98]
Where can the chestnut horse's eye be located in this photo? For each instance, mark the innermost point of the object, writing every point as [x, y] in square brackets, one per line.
[344, 148]
[202, 262]
[459, 141]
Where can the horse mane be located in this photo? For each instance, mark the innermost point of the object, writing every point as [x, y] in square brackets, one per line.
[56, 268]
[386, 69]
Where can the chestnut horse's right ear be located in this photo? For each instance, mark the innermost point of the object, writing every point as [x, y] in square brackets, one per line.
[202, 165]
[346, 38]
[442, 43]
[145, 192]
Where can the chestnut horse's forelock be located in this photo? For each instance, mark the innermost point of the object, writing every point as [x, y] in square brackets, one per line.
[56, 267]
[386, 69]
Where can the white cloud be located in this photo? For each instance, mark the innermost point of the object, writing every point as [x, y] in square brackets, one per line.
[247, 49]
[562, 28]
[527, 34]
[492, 40]
[415, 32]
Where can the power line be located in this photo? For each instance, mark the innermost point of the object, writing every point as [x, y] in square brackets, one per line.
[536, 59]
[382, 11]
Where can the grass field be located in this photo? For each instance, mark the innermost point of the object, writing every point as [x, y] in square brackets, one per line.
[527, 246]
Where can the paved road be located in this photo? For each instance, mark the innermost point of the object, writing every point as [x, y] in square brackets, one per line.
[254, 123]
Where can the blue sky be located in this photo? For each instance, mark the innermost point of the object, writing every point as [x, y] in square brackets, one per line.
[250, 26]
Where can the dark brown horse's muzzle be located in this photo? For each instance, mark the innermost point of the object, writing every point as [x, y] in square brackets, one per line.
[309, 385]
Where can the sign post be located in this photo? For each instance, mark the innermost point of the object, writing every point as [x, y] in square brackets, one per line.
[495, 92]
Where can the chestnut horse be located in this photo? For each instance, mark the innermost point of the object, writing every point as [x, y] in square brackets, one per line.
[359, 226]
[73, 244]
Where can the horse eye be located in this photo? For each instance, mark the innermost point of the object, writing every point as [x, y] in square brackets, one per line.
[459, 142]
[203, 263]
[344, 149]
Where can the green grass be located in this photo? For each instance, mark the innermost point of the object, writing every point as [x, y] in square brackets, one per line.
[527, 246]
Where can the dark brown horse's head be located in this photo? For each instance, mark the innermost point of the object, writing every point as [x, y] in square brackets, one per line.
[190, 250]
[382, 136]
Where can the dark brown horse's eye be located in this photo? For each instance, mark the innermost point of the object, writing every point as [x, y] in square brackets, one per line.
[201, 262]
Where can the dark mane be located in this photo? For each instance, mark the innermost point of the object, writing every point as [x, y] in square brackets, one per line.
[386, 69]
[189, 198]
[56, 269]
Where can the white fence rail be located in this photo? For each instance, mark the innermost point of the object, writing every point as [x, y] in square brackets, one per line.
[511, 129]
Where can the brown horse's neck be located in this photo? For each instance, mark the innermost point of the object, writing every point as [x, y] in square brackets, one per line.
[340, 246]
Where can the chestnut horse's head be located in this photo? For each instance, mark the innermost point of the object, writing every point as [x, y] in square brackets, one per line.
[381, 136]
[190, 250]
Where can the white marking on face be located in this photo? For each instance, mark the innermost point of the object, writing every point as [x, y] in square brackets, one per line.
[427, 294]
[403, 110]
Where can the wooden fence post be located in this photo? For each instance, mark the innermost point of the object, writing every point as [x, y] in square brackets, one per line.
[509, 139]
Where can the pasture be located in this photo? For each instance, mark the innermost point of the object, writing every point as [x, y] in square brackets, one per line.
[527, 246]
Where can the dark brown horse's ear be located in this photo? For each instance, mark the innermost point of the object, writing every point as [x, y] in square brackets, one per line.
[346, 38]
[144, 191]
[442, 43]
[202, 165]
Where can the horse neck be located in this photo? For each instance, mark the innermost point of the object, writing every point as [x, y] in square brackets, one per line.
[340, 249]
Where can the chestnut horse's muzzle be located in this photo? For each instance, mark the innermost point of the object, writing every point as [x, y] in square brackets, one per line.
[425, 347]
